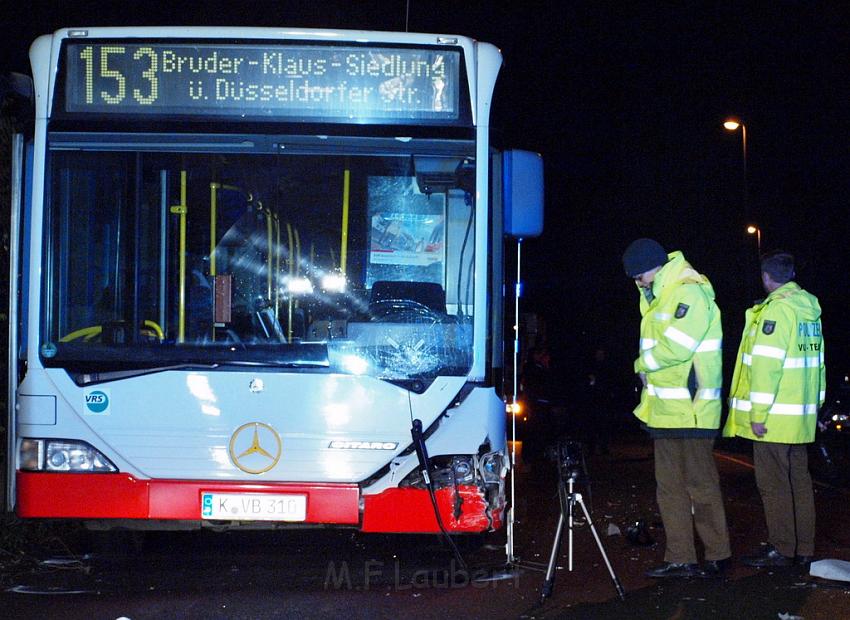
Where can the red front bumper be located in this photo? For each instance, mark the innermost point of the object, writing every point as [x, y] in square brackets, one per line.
[121, 496]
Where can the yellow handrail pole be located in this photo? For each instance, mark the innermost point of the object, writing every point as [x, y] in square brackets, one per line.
[181, 210]
[156, 328]
[291, 274]
[213, 222]
[214, 187]
[297, 253]
[277, 267]
[291, 249]
[85, 332]
[346, 193]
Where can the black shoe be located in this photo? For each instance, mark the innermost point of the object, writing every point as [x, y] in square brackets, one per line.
[714, 568]
[673, 569]
[804, 561]
[769, 557]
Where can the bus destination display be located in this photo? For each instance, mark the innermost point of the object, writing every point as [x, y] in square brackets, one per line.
[285, 82]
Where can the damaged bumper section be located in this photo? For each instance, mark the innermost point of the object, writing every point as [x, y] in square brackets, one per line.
[469, 491]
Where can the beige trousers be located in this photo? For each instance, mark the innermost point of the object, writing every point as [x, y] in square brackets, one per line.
[785, 485]
[688, 492]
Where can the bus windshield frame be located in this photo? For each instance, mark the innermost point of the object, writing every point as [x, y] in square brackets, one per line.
[351, 255]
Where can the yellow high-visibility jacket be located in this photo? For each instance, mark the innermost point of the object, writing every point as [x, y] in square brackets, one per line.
[680, 350]
[779, 377]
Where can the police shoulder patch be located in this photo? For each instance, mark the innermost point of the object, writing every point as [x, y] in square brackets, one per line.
[768, 327]
[681, 310]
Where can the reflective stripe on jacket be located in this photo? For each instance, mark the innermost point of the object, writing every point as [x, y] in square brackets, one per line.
[680, 350]
[779, 374]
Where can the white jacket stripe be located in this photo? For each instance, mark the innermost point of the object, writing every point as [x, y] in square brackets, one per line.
[780, 409]
[650, 362]
[812, 361]
[766, 351]
[777, 408]
[680, 337]
[762, 398]
[741, 405]
[715, 344]
[668, 393]
[709, 394]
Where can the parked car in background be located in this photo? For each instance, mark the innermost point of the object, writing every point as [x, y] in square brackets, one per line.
[831, 450]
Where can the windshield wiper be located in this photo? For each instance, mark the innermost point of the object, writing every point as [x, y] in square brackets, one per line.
[87, 378]
[277, 363]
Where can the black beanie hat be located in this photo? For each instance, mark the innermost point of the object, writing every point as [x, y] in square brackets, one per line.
[643, 255]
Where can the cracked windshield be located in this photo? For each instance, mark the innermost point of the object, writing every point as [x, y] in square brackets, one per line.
[354, 264]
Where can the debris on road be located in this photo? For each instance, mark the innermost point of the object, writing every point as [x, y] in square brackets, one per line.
[638, 534]
[838, 570]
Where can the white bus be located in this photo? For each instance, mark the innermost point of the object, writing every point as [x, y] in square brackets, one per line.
[248, 262]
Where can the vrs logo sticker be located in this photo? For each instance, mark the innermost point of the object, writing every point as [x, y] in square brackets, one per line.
[97, 401]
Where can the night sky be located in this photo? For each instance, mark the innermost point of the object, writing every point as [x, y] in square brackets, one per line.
[626, 105]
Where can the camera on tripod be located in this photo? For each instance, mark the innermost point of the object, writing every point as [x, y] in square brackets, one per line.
[568, 455]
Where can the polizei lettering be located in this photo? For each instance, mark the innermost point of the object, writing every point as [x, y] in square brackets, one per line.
[810, 330]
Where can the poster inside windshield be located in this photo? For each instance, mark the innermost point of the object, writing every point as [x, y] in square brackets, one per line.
[407, 232]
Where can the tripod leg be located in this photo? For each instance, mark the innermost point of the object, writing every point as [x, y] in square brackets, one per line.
[509, 545]
[617, 584]
[567, 508]
[549, 583]
[570, 535]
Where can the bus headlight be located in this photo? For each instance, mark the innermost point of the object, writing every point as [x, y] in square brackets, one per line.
[446, 471]
[53, 455]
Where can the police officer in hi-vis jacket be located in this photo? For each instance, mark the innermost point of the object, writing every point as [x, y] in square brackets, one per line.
[777, 389]
[680, 365]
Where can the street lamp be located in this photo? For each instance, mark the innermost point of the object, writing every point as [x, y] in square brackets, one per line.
[732, 124]
[755, 230]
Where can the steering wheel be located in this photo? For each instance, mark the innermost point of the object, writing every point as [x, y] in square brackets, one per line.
[403, 311]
